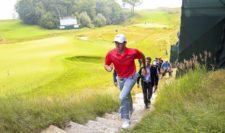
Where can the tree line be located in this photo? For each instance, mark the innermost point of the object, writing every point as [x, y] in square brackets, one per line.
[89, 13]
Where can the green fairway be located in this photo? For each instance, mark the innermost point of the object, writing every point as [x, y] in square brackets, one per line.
[52, 76]
[14, 31]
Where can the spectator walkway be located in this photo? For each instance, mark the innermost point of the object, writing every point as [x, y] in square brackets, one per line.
[109, 123]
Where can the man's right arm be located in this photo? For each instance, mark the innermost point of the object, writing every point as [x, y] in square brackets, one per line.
[108, 63]
[108, 68]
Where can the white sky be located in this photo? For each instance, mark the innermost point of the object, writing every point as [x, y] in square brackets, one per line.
[7, 6]
[152, 4]
[7, 9]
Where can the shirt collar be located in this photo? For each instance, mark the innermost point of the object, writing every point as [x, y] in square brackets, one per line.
[125, 52]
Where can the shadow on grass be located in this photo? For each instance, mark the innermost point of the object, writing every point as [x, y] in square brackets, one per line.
[88, 59]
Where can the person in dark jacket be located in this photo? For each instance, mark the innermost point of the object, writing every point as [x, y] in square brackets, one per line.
[147, 81]
[156, 66]
[114, 78]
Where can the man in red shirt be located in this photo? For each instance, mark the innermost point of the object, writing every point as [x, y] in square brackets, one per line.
[123, 59]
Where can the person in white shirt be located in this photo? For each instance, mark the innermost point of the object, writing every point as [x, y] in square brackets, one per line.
[148, 80]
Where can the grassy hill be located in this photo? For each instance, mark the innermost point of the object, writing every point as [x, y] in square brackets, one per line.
[193, 103]
[14, 31]
[52, 76]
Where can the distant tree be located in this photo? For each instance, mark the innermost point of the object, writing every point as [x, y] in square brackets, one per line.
[48, 21]
[103, 7]
[47, 13]
[111, 11]
[116, 14]
[100, 20]
[84, 19]
[27, 13]
[88, 6]
[56, 7]
[40, 9]
[133, 3]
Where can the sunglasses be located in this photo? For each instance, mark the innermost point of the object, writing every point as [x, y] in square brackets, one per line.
[117, 43]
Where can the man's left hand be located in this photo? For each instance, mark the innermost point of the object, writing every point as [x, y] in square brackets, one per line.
[116, 84]
[108, 68]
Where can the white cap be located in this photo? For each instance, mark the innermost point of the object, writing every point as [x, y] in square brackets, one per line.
[120, 38]
[154, 63]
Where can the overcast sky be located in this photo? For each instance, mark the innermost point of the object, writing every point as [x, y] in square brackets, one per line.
[7, 10]
[152, 4]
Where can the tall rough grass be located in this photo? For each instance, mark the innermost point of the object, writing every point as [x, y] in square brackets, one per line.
[193, 103]
[205, 59]
[25, 116]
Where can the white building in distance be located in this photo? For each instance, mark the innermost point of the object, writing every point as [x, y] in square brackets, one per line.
[68, 23]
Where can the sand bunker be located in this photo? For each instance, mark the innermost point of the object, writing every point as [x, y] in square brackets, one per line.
[83, 38]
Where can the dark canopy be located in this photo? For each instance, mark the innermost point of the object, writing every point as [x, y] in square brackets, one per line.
[202, 29]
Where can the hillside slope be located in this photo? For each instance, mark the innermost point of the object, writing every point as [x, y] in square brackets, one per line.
[194, 103]
[53, 76]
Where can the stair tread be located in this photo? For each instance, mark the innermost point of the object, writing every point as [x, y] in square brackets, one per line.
[102, 128]
[109, 122]
[73, 127]
[53, 129]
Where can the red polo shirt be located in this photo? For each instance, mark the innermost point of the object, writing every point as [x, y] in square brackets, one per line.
[124, 64]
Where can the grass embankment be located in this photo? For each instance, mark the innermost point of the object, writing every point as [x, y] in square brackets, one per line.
[14, 31]
[60, 77]
[193, 103]
[48, 82]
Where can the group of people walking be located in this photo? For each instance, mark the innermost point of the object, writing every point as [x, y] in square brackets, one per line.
[122, 59]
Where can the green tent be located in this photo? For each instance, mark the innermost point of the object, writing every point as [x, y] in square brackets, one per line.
[202, 29]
